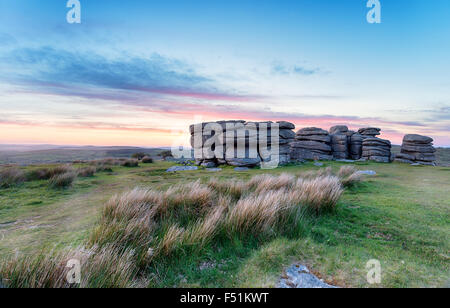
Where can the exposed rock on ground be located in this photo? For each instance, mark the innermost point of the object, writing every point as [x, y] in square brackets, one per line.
[182, 168]
[376, 149]
[311, 143]
[298, 276]
[417, 149]
[250, 136]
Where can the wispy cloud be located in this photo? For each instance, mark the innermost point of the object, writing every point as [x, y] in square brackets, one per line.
[87, 75]
[282, 69]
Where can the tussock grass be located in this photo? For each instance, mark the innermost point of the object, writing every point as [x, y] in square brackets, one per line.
[143, 227]
[63, 180]
[106, 267]
[48, 173]
[11, 176]
[87, 172]
[349, 176]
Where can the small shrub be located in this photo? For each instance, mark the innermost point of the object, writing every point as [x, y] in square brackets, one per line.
[104, 168]
[11, 176]
[147, 160]
[130, 163]
[165, 154]
[87, 172]
[138, 155]
[64, 180]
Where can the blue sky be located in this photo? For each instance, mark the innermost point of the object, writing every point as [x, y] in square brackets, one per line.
[133, 71]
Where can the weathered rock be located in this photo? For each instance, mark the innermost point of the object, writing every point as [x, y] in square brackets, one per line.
[372, 141]
[299, 154]
[248, 137]
[380, 159]
[338, 129]
[298, 276]
[287, 134]
[320, 138]
[311, 145]
[369, 131]
[284, 124]
[308, 131]
[243, 162]
[417, 139]
[182, 168]
[240, 169]
[417, 149]
[209, 164]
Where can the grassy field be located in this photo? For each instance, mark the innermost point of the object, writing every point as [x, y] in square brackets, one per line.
[401, 217]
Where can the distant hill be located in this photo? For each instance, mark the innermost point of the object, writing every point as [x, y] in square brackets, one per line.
[43, 154]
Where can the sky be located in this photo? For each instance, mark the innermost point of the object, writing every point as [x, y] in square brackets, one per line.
[139, 72]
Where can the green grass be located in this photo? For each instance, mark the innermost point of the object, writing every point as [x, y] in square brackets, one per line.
[400, 217]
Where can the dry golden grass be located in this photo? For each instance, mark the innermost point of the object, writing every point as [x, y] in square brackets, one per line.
[99, 267]
[349, 176]
[140, 226]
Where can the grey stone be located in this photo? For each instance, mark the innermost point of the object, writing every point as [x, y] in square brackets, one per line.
[370, 131]
[209, 164]
[307, 131]
[287, 125]
[299, 154]
[240, 169]
[367, 172]
[298, 276]
[312, 145]
[321, 138]
[213, 169]
[182, 168]
[380, 159]
[376, 142]
[287, 134]
[338, 129]
[418, 139]
[420, 149]
[404, 161]
[318, 164]
[243, 162]
[346, 160]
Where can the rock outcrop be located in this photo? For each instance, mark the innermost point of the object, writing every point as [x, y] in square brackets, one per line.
[356, 141]
[417, 149]
[339, 142]
[311, 143]
[376, 149]
[242, 143]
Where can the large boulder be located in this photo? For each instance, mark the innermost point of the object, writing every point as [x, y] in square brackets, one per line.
[417, 149]
[311, 143]
[338, 129]
[370, 131]
[373, 148]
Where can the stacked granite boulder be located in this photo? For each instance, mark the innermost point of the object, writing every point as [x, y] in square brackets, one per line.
[246, 136]
[311, 143]
[286, 136]
[417, 149]
[339, 142]
[356, 141]
[376, 149]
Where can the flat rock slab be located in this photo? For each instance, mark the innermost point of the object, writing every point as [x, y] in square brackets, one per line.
[367, 172]
[345, 160]
[318, 164]
[241, 169]
[299, 277]
[213, 169]
[182, 168]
